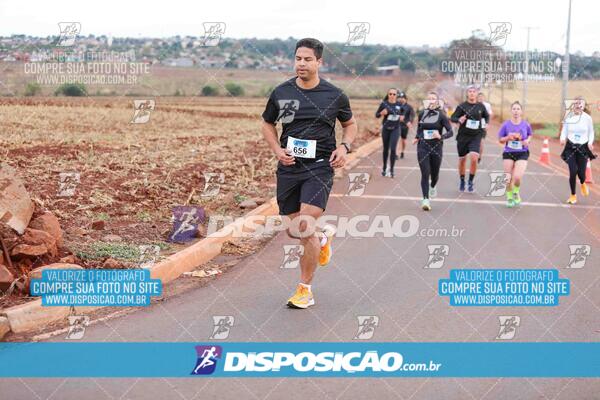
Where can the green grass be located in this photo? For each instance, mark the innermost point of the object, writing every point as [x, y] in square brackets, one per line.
[144, 216]
[239, 198]
[102, 216]
[551, 130]
[119, 251]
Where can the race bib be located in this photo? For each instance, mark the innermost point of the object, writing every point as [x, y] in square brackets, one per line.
[393, 117]
[302, 148]
[428, 134]
[577, 137]
[515, 144]
[472, 124]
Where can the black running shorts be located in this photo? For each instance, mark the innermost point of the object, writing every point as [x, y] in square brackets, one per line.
[305, 185]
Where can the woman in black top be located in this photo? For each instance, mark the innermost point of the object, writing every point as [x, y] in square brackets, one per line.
[432, 122]
[389, 109]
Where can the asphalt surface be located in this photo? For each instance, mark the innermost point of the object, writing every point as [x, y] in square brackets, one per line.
[383, 277]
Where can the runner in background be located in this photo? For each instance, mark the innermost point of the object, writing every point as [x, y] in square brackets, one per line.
[515, 135]
[407, 115]
[432, 121]
[577, 137]
[389, 109]
[468, 116]
[488, 107]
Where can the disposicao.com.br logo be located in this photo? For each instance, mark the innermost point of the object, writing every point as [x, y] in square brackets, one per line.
[368, 362]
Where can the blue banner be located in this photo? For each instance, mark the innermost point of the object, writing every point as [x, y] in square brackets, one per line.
[96, 287]
[504, 287]
[300, 359]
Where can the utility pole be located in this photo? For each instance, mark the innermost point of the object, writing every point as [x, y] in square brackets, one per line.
[526, 73]
[502, 101]
[565, 68]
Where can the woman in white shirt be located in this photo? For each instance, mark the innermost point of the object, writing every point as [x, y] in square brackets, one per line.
[577, 136]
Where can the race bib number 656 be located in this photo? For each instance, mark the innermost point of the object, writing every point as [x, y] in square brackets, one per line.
[302, 148]
[472, 124]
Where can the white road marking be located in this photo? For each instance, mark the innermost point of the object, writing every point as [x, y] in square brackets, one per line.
[454, 170]
[456, 154]
[467, 200]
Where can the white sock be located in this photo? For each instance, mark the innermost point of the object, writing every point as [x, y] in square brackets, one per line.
[322, 238]
[306, 286]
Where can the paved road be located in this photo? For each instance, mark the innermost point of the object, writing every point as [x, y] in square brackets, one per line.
[383, 277]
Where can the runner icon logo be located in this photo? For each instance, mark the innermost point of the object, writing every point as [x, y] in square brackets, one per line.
[213, 31]
[287, 110]
[68, 33]
[437, 255]
[186, 220]
[148, 255]
[142, 110]
[67, 183]
[366, 326]
[357, 183]
[291, 255]
[508, 326]
[579, 254]
[212, 183]
[498, 183]
[499, 32]
[77, 325]
[207, 359]
[357, 33]
[222, 326]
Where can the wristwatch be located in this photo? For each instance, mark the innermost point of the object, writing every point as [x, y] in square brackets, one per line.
[347, 146]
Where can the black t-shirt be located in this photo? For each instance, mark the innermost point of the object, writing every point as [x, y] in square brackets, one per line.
[408, 112]
[475, 112]
[308, 114]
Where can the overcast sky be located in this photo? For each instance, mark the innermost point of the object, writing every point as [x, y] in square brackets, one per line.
[397, 22]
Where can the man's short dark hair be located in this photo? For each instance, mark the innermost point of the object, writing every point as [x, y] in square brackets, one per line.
[311, 43]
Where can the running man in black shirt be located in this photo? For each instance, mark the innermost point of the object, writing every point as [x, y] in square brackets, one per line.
[430, 136]
[469, 116]
[307, 108]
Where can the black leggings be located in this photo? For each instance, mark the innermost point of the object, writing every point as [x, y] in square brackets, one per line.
[430, 161]
[390, 142]
[577, 162]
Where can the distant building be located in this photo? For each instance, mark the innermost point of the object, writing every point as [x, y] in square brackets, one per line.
[179, 62]
[392, 70]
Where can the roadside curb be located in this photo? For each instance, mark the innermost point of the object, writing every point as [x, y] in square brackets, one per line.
[208, 248]
[29, 316]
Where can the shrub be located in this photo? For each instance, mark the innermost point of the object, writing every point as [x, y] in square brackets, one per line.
[71, 89]
[234, 89]
[210, 91]
[32, 89]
